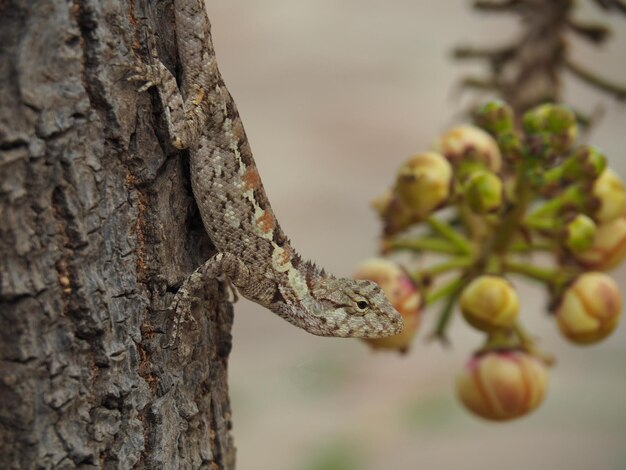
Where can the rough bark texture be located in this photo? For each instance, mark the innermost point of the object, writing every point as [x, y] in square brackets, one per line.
[97, 228]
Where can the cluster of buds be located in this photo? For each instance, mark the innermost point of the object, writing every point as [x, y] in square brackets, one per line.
[480, 202]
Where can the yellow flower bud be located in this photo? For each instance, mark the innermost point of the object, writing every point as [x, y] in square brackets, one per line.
[423, 182]
[502, 385]
[483, 192]
[489, 303]
[609, 246]
[608, 191]
[402, 294]
[470, 143]
[590, 308]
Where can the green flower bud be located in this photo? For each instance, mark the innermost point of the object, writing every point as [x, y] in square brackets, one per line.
[586, 163]
[510, 145]
[609, 196]
[579, 233]
[483, 192]
[496, 117]
[551, 129]
[423, 182]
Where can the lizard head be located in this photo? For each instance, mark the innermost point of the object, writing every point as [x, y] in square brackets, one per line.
[351, 308]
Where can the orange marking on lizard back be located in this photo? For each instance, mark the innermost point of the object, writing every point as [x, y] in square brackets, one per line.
[251, 179]
[266, 222]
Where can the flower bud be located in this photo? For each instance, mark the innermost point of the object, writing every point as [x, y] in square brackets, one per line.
[579, 233]
[489, 303]
[587, 163]
[502, 385]
[590, 308]
[609, 246]
[423, 182]
[510, 145]
[483, 192]
[470, 143]
[395, 213]
[496, 117]
[551, 127]
[609, 195]
[402, 294]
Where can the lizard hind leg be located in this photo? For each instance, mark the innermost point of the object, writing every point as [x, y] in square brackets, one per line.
[186, 112]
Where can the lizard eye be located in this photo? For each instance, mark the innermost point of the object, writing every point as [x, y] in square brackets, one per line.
[362, 305]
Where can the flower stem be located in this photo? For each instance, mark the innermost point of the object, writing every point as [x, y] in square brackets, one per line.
[423, 244]
[528, 344]
[548, 276]
[450, 265]
[523, 247]
[444, 291]
[446, 231]
[543, 223]
[451, 290]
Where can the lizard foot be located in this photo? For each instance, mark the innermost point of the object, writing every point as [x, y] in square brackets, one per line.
[151, 74]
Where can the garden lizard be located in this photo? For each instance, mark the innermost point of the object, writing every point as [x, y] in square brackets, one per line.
[253, 252]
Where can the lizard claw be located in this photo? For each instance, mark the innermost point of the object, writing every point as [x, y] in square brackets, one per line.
[150, 74]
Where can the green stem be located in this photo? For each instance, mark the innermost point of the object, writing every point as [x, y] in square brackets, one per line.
[573, 195]
[524, 338]
[424, 244]
[452, 291]
[444, 229]
[510, 224]
[443, 321]
[543, 224]
[523, 247]
[548, 276]
[444, 291]
[528, 344]
[450, 265]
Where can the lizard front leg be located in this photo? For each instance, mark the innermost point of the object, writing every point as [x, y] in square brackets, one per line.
[254, 287]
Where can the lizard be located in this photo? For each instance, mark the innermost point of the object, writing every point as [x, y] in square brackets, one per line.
[253, 252]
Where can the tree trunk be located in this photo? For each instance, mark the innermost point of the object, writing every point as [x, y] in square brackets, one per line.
[97, 229]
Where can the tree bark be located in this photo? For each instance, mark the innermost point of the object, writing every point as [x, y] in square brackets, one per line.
[98, 227]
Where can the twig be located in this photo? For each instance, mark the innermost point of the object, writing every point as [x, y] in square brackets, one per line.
[619, 91]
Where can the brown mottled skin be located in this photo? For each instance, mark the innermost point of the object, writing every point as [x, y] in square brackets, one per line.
[253, 251]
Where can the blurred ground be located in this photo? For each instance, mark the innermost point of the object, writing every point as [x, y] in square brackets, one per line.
[334, 95]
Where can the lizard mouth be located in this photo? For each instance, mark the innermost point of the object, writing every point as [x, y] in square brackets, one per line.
[371, 325]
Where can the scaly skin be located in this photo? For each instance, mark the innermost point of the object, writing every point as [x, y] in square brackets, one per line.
[253, 251]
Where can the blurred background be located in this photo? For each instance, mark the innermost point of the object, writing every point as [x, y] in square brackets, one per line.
[334, 96]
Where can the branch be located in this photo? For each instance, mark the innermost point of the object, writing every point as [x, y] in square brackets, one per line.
[494, 6]
[619, 91]
[595, 33]
[619, 5]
